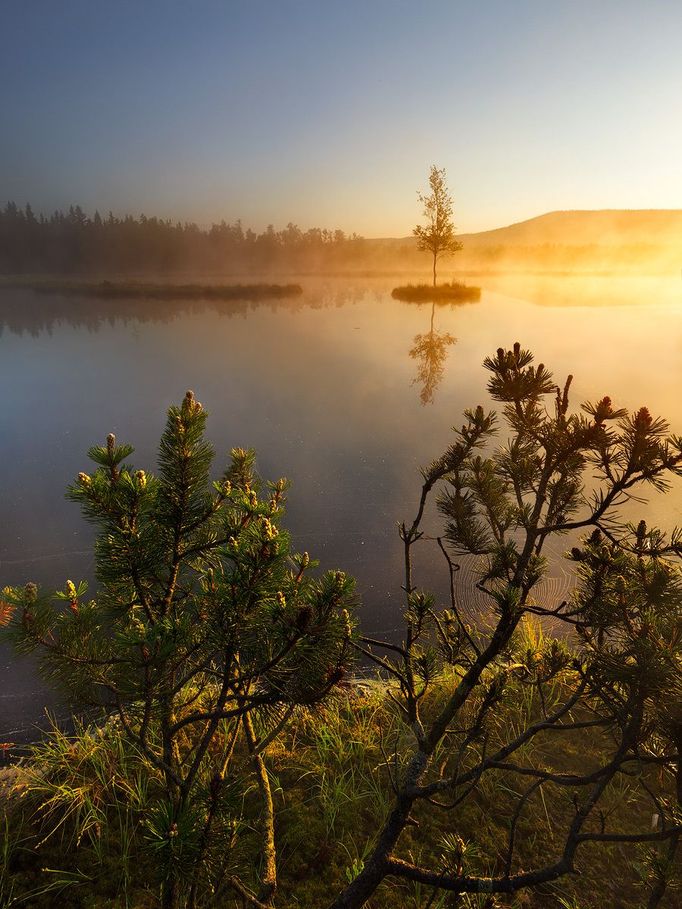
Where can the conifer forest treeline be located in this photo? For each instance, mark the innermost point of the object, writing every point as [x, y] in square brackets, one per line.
[73, 242]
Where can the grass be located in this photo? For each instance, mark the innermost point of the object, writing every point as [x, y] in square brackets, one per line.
[85, 806]
[143, 290]
[441, 293]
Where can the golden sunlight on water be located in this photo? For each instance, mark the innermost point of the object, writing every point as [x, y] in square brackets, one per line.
[327, 388]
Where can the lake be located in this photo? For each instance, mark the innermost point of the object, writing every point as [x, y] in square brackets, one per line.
[334, 390]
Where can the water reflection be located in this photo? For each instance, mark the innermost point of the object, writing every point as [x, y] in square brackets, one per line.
[430, 352]
[22, 311]
[321, 386]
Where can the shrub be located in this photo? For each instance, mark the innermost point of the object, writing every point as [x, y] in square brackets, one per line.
[205, 636]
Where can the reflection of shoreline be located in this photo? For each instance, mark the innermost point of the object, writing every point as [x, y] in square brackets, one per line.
[24, 312]
[154, 291]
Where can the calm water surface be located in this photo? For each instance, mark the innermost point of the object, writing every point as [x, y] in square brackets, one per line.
[345, 391]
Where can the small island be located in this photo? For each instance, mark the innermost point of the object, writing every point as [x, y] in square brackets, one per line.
[134, 289]
[441, 293]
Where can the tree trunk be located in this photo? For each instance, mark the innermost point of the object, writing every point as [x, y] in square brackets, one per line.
[356, 894]
[661, 882]
[269, 873]
[361, 889]
[434, 269]
[169, 896]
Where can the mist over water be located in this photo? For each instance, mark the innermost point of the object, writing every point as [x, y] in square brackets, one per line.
[328, 390]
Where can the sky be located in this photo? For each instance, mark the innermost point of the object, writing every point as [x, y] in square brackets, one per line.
[330, 113]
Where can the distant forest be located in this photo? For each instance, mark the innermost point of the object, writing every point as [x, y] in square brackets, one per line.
[73, 242]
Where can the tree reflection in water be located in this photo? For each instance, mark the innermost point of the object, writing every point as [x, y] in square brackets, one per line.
[430, 351]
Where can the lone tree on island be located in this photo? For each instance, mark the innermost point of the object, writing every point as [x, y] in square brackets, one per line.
[438, 236]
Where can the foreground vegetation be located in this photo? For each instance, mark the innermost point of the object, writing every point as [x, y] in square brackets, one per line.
[142, 290]
[492, 766]
[77, 829]
[440, 293]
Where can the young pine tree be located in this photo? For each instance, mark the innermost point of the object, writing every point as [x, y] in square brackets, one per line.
[607, 693]
[204, 637]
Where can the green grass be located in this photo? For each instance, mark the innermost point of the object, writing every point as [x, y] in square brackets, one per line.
[143, 290]
[441, 293]
[81, 809]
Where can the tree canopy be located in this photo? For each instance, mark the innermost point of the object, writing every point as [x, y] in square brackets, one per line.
[437, 236]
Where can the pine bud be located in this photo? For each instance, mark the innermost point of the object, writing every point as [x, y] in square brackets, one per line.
[281, 600]
[138, 626]
[190, 405]
[141, 477]
[269, 531]
[233, 544]
[31, 592]
[84, 479]
[72, 594]
[643, 419]
[111, 443]
[305, 560]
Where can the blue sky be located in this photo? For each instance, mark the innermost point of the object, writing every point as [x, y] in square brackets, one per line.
[330, 113]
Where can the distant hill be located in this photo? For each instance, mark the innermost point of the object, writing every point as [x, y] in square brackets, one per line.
[611, 239]
[604, 227]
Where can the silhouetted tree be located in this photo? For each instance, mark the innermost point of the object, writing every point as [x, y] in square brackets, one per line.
[438, 236]
[619, 682]
[74, 243]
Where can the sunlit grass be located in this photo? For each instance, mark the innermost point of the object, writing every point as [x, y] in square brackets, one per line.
[87, 803]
